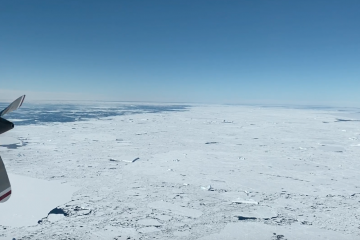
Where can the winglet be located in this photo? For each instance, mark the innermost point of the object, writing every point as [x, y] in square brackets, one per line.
[13, 106]
[5, 187]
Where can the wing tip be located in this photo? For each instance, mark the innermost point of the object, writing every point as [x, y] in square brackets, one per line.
[5, 196]
[22, 100]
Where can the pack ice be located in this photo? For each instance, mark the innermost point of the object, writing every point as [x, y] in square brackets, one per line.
[210, 172]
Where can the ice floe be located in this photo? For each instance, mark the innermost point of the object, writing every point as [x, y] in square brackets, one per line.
[32, 199]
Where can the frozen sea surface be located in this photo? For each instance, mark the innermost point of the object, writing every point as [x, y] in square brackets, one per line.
[71, 112]
[32, 200]
[191, 172]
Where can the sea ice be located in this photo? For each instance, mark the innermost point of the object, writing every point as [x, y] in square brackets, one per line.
[264, 185]
[175, 209]
[32, 199]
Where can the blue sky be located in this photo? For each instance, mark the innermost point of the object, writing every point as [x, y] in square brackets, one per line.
[273, 51]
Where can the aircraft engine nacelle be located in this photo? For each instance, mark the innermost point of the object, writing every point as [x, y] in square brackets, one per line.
[5, 125]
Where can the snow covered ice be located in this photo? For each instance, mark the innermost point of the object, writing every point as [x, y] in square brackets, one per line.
[263, 173]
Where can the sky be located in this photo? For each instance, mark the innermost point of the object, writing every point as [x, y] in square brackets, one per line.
[204, 51]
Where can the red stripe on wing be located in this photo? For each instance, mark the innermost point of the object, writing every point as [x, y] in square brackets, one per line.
[22, 100]
[5, 195]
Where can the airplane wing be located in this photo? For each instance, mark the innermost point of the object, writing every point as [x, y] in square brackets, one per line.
[5, 187]
[13, 106]
[5, 125]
